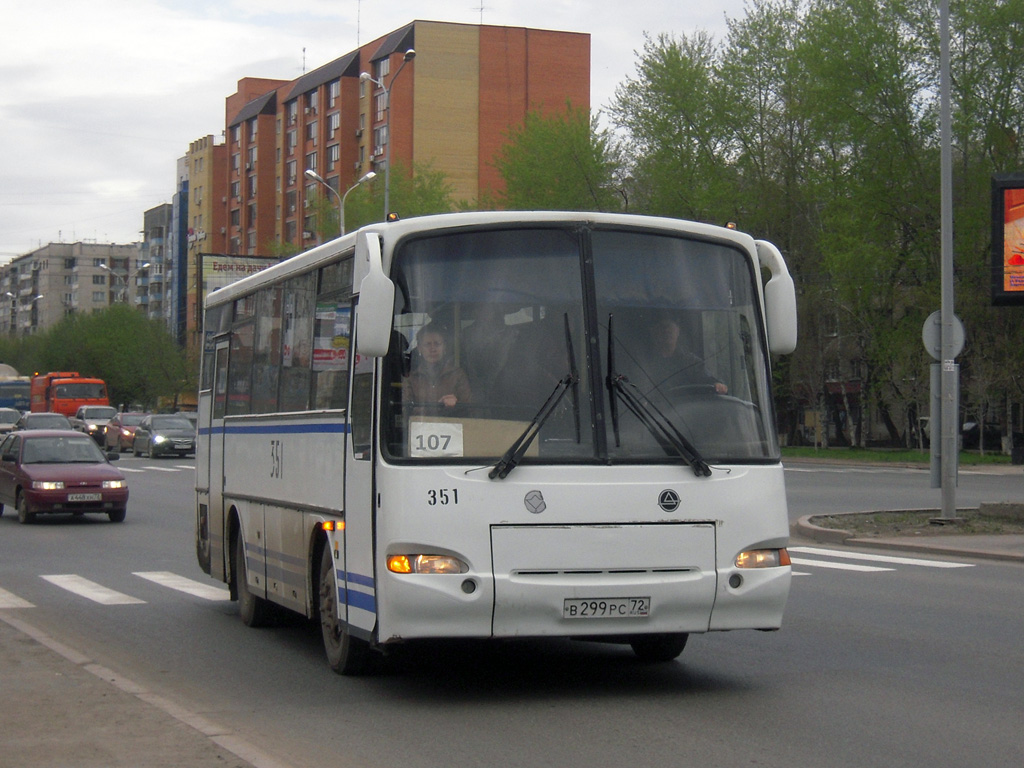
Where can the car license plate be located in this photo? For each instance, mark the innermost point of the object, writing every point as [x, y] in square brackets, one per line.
[606, 607]
[85, 496]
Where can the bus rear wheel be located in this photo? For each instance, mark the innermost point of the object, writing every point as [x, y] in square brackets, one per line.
[659, 648]
[253, 609]
[346, 655]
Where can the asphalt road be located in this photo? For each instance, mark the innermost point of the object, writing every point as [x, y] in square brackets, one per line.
[881, 662]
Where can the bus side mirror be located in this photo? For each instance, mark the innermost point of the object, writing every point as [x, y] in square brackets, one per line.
[779, 300]
[376, 298]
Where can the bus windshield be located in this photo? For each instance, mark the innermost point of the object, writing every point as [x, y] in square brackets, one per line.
[596, 345]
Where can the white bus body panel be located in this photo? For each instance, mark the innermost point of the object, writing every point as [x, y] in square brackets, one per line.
[600, 534]
[285, 475]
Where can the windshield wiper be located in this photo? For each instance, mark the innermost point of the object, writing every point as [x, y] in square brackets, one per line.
[568, 382]
[659, 425]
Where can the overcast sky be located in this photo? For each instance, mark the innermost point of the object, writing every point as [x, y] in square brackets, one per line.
[99, 98]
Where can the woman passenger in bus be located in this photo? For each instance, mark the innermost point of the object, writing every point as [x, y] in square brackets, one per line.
[433, 376]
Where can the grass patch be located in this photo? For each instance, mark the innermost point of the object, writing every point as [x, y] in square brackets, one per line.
[887, 455]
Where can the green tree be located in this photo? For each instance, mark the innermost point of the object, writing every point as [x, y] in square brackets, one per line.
[135, 355]
[559, 162]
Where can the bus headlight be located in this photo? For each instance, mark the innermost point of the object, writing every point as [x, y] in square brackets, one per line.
[762, 558]
[425, 564]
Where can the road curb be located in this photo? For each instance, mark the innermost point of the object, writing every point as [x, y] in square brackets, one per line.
[805, 528]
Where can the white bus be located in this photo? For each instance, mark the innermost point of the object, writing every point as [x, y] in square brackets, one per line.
[500, 425]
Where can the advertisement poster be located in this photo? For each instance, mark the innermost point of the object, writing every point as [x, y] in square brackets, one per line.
[333, 331]
[1008, 239]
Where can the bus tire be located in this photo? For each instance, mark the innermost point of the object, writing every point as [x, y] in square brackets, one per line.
[253, 609]
[346, 655]
[659, 648]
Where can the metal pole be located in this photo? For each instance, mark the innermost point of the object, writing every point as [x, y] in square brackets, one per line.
[950, 370]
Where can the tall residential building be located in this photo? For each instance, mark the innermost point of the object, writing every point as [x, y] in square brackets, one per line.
[451, 107]
[148, 278]
[39, 288]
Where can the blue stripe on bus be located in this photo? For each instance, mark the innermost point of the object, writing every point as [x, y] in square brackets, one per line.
[356, 578]
[277, 429]
[359, 600]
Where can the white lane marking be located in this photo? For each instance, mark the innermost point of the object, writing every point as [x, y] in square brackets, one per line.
[11, 600]
[91, 590]
[130, 469]
[839, 566]
[879, 558]
[161, 469]
[182, 584]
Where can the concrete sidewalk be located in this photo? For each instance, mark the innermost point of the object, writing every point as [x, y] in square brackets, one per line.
[62, 709]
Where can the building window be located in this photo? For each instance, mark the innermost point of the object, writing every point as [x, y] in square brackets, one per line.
[236, 161]
[311, 132]
[236, 188]
[333, 155]
[333, 93]
[252, 185]
[312, 101]
[99, 279]
[99, 297]
[251, 158]
[236, 217]
[293, 112]
[333, 122]
[381, 67]
[290, 169]
[235, 134]
[380, 102]
[293, 140]
[252, 129]
[311, 161]
[251, 216]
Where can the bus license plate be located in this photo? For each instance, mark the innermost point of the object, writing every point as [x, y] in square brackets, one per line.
[606, 607]
[84, 496]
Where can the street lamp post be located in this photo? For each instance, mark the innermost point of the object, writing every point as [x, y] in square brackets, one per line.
[310, 173]
[124, 280]
[367, 77]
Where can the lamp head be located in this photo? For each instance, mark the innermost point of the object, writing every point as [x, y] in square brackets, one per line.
[410, 55]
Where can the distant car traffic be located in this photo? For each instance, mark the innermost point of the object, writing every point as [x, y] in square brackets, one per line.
[42, 420]
[120, 431]
[59, 471]
[162, 434]
[8, 418]
[92, 419]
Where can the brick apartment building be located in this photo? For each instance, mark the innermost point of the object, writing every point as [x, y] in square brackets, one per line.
[451, 107]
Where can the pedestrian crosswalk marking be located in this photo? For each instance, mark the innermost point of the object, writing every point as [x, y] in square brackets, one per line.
[182, 584]
[839, 566]
[878, 558]
[91, 590]
[10, 600]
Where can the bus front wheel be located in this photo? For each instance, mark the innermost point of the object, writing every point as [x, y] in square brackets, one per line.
[346, 655]
[658, 648]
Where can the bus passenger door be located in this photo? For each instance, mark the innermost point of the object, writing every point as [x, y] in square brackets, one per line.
[211, 444]
[360, 581]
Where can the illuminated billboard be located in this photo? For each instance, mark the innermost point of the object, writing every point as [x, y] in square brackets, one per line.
[1008, 239]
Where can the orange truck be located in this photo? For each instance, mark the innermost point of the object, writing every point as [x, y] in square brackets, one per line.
[65, 391]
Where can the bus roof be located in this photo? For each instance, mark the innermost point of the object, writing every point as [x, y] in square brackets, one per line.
[393, 231]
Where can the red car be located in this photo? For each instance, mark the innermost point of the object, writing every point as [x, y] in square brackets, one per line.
[48, 471]
[120, 431]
